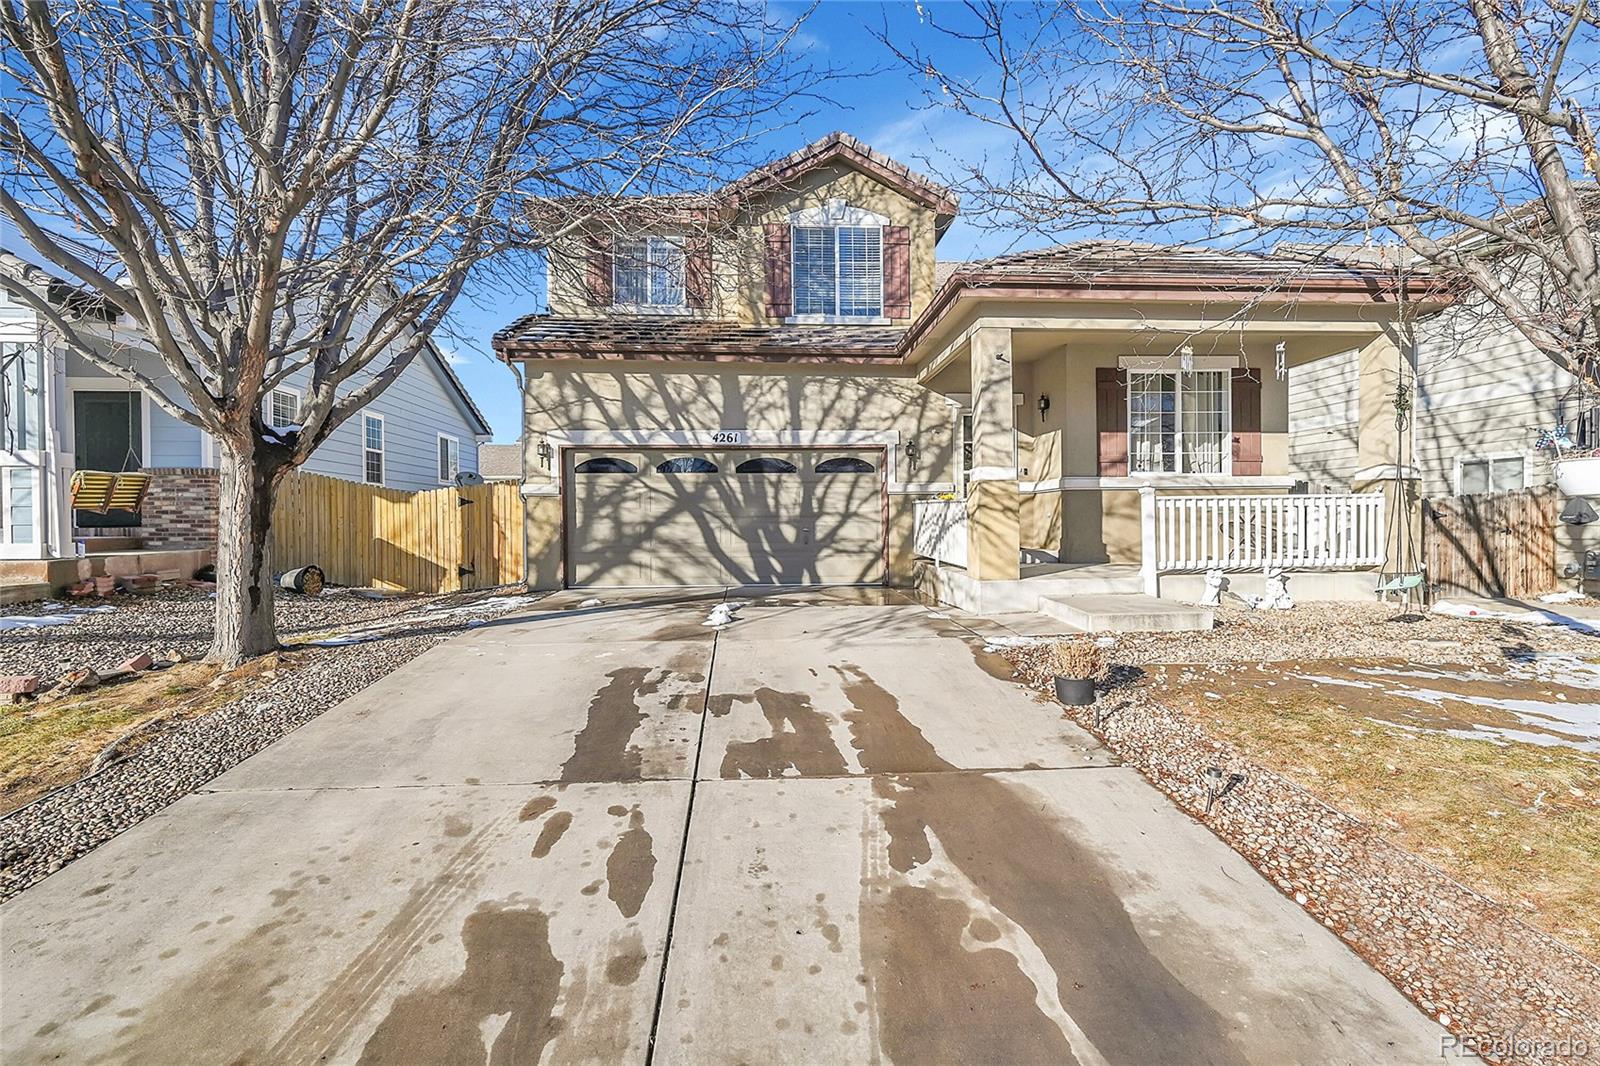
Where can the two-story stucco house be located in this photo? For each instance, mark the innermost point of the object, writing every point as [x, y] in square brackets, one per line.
[780, 385]
[63, 413]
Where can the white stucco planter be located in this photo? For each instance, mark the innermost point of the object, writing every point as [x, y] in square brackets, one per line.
[1578, 477]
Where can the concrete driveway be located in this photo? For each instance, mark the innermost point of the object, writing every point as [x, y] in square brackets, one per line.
[893, 853]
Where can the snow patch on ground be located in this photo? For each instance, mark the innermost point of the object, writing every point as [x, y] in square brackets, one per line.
[62, 616]
[721, 615]
[1530, 618]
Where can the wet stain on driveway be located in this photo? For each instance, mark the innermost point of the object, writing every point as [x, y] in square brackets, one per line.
[500, 1010]
[1023, 863]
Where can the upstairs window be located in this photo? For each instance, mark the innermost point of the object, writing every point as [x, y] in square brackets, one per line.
[648, 272]
[838, 271]
[283, 408]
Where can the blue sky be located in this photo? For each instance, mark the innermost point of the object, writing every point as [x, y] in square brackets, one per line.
[878, 100]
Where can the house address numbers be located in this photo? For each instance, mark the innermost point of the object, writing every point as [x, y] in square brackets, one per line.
[727, 436]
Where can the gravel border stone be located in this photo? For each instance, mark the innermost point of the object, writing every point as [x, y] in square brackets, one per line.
[40, 838]
[1505, 989]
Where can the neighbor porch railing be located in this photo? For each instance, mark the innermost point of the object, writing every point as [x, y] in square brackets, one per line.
[941, 530]
[1226, 532]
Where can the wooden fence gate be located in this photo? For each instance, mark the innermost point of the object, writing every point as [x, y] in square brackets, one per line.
[439, 540]
[1492, 545]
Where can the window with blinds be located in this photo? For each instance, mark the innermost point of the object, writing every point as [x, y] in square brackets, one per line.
[648, 272]
[838, 271]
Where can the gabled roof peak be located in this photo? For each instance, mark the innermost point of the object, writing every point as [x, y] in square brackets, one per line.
[839, 145]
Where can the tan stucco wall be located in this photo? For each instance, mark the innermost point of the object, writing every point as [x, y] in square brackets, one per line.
[739, 246]
[705, 397]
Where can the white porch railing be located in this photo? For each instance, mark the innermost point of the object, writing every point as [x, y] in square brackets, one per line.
[1324, 532]
[941, 531]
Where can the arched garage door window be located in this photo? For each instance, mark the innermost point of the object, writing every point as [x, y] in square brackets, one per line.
[845, 464]
[605, 464]
[686, 464]
[765, 465]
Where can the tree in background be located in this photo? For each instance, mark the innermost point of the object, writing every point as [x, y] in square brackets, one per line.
[270, 188]
[1455, 128]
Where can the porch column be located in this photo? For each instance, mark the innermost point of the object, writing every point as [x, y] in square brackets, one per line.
[994, 507]
[1381, 448]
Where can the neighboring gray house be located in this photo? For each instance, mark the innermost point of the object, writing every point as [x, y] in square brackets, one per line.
[63, 413]
[1483, 395]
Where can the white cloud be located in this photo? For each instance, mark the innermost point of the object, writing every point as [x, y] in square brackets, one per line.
[453, 355]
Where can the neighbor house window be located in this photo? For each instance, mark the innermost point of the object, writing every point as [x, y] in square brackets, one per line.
[648, 271]
[449, 458]
[372, 449]
[838, 271]
[1491, 473]
[283, 408]
[1178, 422]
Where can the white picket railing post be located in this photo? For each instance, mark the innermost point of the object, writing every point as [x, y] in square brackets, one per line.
[1148, 541]
[1238, 532]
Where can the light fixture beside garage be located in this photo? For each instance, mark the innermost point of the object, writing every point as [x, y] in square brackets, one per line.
[1044, 405]
[911, 450]
[545, 452]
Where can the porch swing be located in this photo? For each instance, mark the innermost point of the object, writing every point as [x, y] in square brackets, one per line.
[103, 491]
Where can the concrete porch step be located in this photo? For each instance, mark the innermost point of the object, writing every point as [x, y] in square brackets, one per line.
[1125, 613]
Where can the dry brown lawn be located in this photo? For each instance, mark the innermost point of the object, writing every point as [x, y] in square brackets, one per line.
[53, 741]
[1517, 821]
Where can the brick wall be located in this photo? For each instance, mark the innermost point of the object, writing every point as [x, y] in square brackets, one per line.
[181, 509]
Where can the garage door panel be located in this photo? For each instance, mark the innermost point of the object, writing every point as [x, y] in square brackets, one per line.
[679, 528]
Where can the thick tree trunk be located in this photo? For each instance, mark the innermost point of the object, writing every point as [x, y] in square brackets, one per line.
[248, 486]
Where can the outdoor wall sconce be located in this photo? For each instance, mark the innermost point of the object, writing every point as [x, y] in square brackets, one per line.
[1044, 404]
[545, 451]
[1280, 363]
[911, 450]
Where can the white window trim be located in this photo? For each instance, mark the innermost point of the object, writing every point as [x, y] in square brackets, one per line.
[681, 307]
[836, 212]
[1490, 457]
[877, 222]
[299, 402]
[1177, 420]
[440, 439]
[383, 450]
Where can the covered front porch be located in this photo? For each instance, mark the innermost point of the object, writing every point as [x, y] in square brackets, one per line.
[1127, 447]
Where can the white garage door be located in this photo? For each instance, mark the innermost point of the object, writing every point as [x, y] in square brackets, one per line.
[726, 517]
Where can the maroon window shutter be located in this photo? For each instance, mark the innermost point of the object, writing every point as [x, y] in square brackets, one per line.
[780, 280]
[896, 272]
[1246, 422]
[599, 273]
[1111, 418]
[697, 272]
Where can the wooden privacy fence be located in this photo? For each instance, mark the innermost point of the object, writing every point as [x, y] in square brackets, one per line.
[1492, 545]
[440, 540]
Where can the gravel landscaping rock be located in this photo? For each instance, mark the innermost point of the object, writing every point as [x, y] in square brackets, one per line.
[41, 838]
[1504, 988]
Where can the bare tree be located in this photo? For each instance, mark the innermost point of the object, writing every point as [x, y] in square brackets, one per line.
[1455, 128]
[304, 187]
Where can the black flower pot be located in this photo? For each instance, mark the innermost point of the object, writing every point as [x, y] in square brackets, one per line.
[1075, 691]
